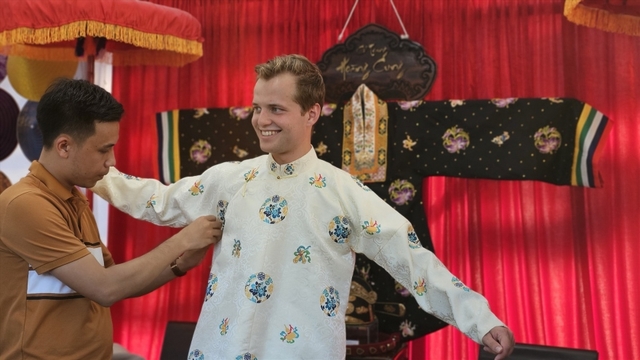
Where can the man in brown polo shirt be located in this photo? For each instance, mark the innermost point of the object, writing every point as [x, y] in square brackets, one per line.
[58, 279]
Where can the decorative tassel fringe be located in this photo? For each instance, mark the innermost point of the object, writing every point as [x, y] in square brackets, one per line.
[43, 36]
[153, 49]
[601, 19]
[142, 39]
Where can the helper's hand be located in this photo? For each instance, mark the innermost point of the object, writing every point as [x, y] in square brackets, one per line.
[499, 341]
[201, 233]
[191, 258]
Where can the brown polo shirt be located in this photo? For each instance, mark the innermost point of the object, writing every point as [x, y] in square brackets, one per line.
[43, 226]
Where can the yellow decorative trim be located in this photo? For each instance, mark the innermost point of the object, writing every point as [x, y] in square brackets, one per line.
[601, 19]
[364, 138]
[43, 36]
[143, 39]
[161, 49]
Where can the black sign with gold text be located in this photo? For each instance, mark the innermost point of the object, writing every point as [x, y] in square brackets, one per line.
[393, 68]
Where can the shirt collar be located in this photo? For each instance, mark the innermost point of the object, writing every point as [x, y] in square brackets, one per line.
[41, 173]
[293, 168]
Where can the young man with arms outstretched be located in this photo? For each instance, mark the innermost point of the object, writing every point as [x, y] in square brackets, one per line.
[281, 275]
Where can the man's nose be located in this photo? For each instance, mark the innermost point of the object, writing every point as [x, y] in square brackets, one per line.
[111, 161]
[262, 118]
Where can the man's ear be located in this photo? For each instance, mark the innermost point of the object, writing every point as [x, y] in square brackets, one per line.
[62, 145]
[314, 114]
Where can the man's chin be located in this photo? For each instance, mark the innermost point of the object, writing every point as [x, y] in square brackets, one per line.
[265, 147]
[87, 186]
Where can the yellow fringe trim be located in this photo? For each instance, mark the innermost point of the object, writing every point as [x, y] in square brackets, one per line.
[601, 19]
[42, 36]
[154, 49]
[142, 39]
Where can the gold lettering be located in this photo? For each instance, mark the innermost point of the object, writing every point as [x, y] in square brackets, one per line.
[361, 49]
[345, 68]
[366, 74]
[374, 51]
[371, 50]
[381, 66]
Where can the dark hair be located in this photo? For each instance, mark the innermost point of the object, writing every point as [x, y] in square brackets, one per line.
[73, 107]
[309, 85]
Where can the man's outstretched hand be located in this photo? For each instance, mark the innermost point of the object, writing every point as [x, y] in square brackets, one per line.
[499, 341]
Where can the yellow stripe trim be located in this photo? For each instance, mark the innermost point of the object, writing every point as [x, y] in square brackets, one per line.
[576, 151]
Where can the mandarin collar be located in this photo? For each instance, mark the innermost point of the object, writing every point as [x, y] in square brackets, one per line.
[293, 168]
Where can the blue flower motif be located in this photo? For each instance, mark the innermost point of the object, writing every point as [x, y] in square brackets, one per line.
[257, 290]
[330, 301]
[414, 242]
[288, 169]
[196, 355]
[129, 177]
[246, 356]
[259, 287]
[339, 229]
[222, 210]
[457, 283]
[330, 304]
[212, 286]
[272, 211]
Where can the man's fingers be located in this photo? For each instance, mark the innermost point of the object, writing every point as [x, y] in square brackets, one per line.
[492, 346]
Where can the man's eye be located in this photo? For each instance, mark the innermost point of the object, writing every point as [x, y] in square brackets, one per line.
[256, 109]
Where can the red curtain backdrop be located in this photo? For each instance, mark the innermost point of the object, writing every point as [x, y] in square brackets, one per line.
[555, 262]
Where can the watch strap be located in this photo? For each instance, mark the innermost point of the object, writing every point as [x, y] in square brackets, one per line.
[176, 270]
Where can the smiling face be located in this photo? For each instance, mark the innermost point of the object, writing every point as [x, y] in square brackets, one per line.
[89, 161]
[283, 129]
